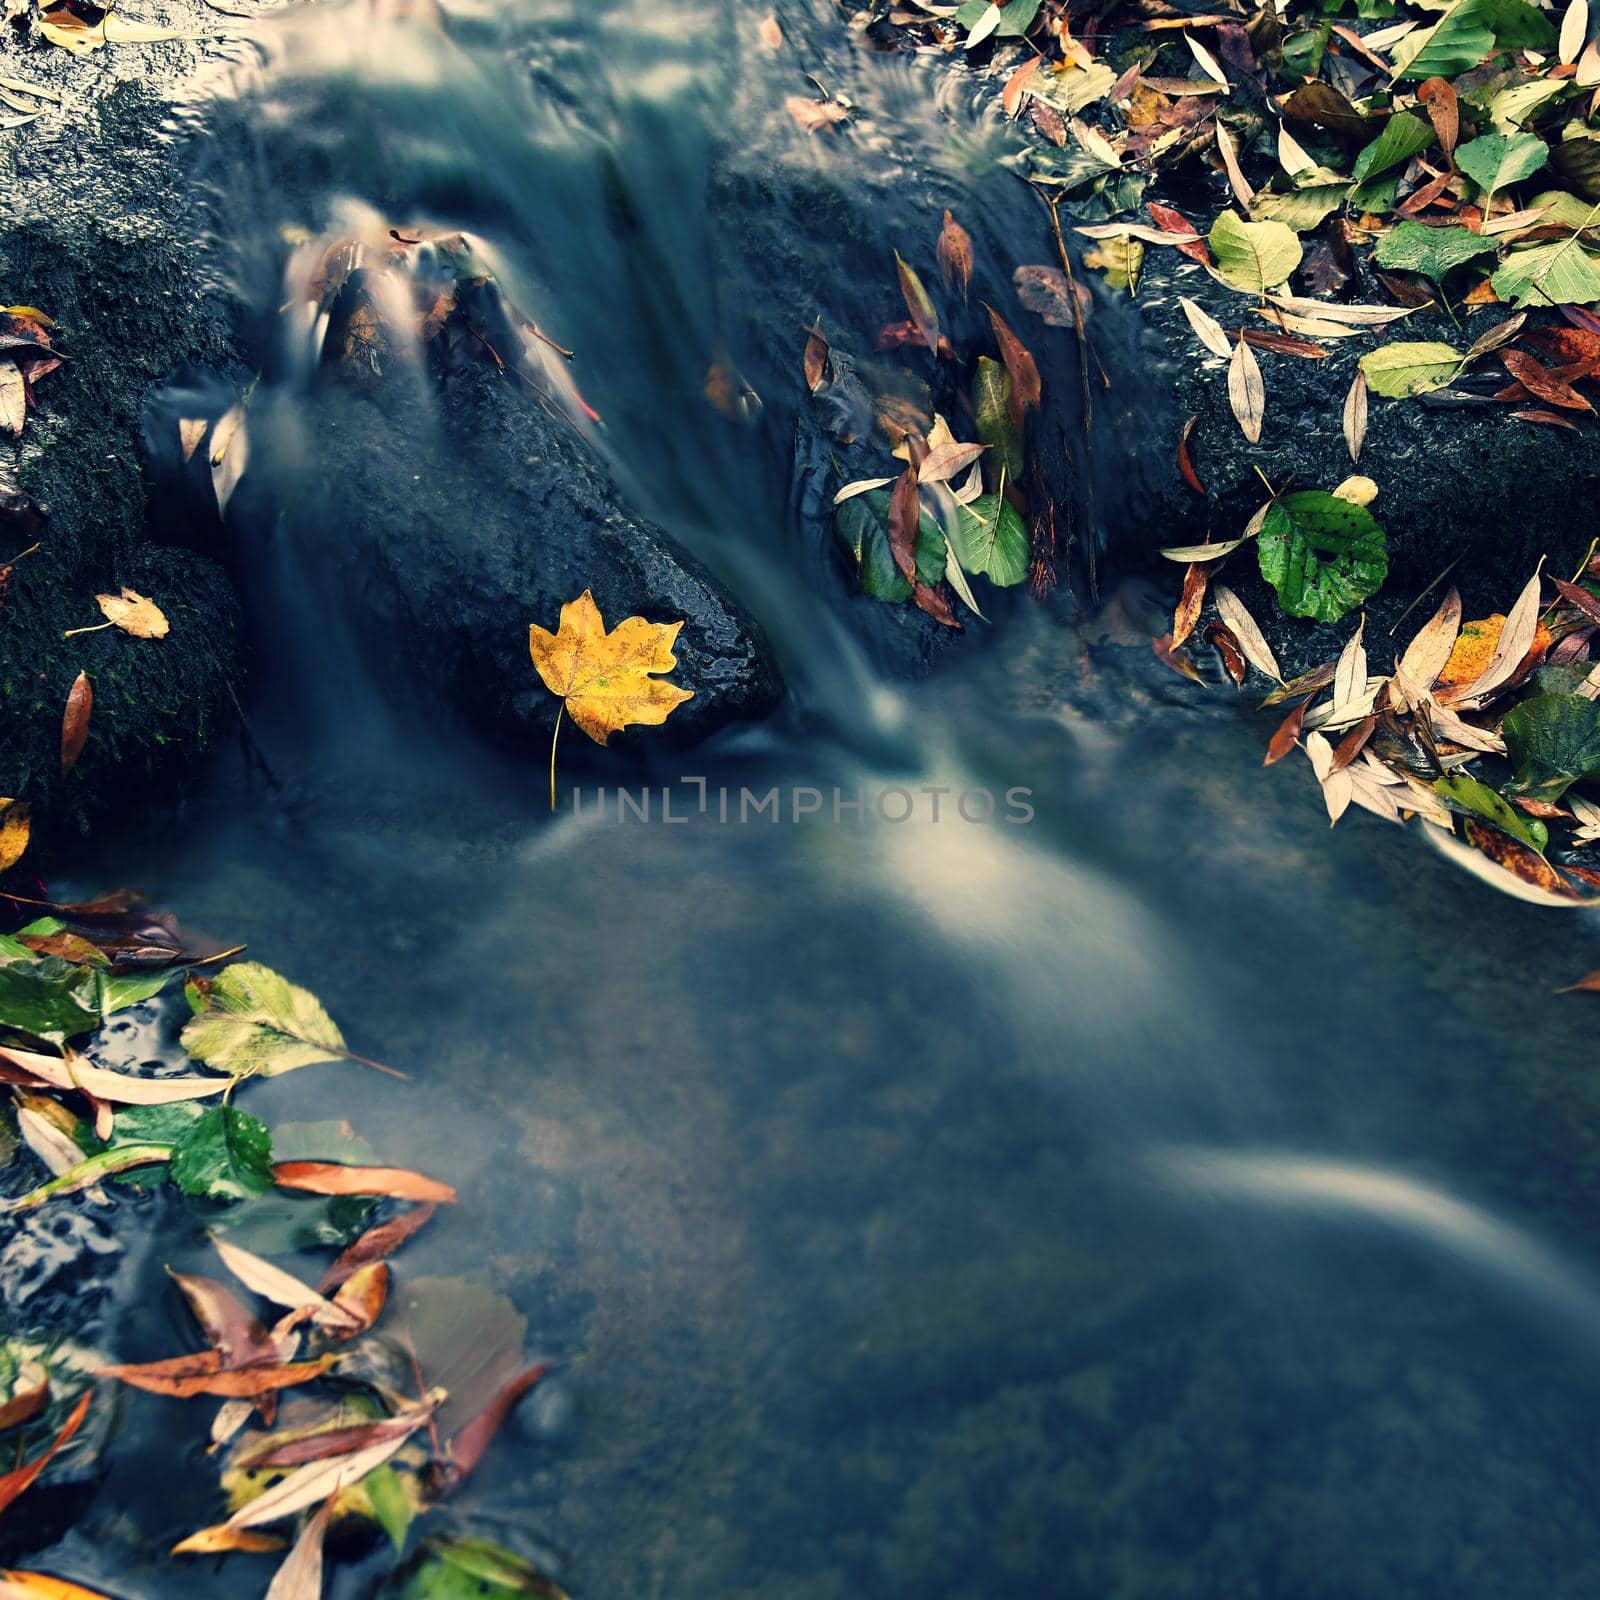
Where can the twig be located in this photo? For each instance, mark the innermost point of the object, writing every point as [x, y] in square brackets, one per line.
[1418, 601]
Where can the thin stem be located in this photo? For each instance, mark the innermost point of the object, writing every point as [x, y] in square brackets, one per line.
[377, 1066]
[21, 553]
[95, 629]
[555, 733]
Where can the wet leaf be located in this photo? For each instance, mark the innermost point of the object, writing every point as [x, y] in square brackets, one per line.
[15, 827]
[18, 1585]
[1511, 646]
[1286, 735]
[1560, 273]
[225, 1155]
[300, 1576]
[1186, 462]
[1495, 160]
[1460, 39]
[222, 1540]
[955, 254]
[317, 1480]
[1321, 554]
[467, 1339]
[230, 455]
[990, 538]
[1355, 415]
[255, 1021]
[1552, 741]
[1189, 241]
[1434, 252]
[1468, 796]
[771, 33]
[22, 1478]
[1243, 626]
[90, 1171]
[13, 398]
[1247, 393]
[1399, 370]
[1025, 389]
[991, 407]
[326, 1177]
[191, 434]
[183, 1377]
[1045, 292]
[74, 1073]
[468, 1444]
[1521, 861]
[232, 1331]
[1540, 381]
[134, 614]
[1403, 136]
[374, 1245]
[280, 1287]
[1444, 112]
[920, 305]
[474, 1569]
[75, 721]
[904, 523]
[815, 114]
[816, 357]
[1253, 256]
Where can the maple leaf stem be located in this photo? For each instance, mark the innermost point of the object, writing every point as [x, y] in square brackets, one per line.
[95, 629]
[555, 734]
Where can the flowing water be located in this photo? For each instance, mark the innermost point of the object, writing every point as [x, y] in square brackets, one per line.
[1161, 1196]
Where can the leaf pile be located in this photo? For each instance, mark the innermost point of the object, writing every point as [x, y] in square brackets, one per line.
[26, 357]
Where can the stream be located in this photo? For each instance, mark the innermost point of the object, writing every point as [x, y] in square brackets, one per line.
[1155, 1195]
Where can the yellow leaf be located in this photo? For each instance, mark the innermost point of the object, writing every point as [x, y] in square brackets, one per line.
[604, 678]
[219, 1538]
[14, 826]
[134, 614]
[41, 1586]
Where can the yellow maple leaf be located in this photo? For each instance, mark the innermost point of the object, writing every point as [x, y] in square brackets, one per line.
[603, 678]
[14, 828]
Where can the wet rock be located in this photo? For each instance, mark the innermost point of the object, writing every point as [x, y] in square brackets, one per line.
[447, 528]
[97, 232]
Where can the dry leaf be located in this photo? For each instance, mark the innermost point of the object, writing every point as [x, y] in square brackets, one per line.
[1243, 627]
[280, 1287]
[1355, 415]
[1190, 603]
[134, 614]
[182, 1377]
[1229, 152]
[327, 1177]
[1515, 641]
[14, 830]
[1247, 393]
[13, 398]
[1207, 329]
[1425, 657]
[75, 721]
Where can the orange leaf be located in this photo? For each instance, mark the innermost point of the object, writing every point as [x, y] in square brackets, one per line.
[1025, 386]
[41, 1586]
[1286, 734]
[362, 1295]
[955, 253]
[816, 357]
[374, 1245]
[330, 1177]
[75, 721]
[1190, 602]
[15, 1483]
[183, 1376]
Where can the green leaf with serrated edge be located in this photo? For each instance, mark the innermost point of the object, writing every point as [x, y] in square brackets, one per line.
[1253, 256]
[48, 997]
[258, 1022]
[1497, 160]
[1561, 273]
[989, 537]
[1403, 136]
[1301, 209]
[1322, 555]
[1552, 740]
[225, 1155]
[1434, 252]
[1398, 370]
[1462, 793]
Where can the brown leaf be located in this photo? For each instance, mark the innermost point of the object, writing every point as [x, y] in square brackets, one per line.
[75, 721]
[467, 1444]
[905, 512]
[955, 253]
[1428, 654]
[276, 1452]
[1574, 595]
[1355, 415]
[1170, 655]
[1046, 293]
[230, 1328]
[1444, 112]
[933, 602]
[1540, 381]
[1323, 106]
[1171, 220]
[816, 357]
[362, 1295]
[331, 1177]
[1589, 983]
[814, 114]
[1011, 97]
[191, 433]
[1026, 389]
[300, 1576]
[1563, 344]
[1353, 743]
[1245, 630]
[1221, 637]
[18, 1481]
[1517, 859]
[1186, 465]
[1048, 121]
[1190, 602]
[1287, 734]
[375, 1244]
[204, 1373]
[1283, 344]
[1552, 419]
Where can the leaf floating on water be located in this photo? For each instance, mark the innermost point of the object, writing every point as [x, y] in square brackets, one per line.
[465, 1569]
[1552, 740]
[815, 114]
[955, 254]
[816, 357]
[274, 1284]
[225, 1155]
[1355, 415]
[75, 721]
[468, 1444]
[905, 521]
[924, 317]
[19, 1585]
[1046, 292]
[255, 1021]
[20, 1479]
[328, 1177]
[1247, 392]
[771, 33]
[1026, 389]
[300, 1576]
[1244, 628]
[1287, 735]
[191, 434]
[374, 1245]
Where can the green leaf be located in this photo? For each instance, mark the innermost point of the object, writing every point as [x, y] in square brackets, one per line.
[1302, 209]
[47, 996]
[87, 1173]
[1561, 273]
[1403, 136]
[225, 1155]
[154, 1124]
[474, 1569]
[1398, 370]
[1253, 256]
[1511, 108]
[281, 1223]
[1462, 793]
[1016, 17]
[391, 1505]
[1552, 741]
[256, 1021]
[1322, 554]
[329, 1140]
[862, 522]
[1434, 252]
[1461, 38]
[989, 537]
[1496, 160]
[1516, 25]
[991, 396]
[120, 992]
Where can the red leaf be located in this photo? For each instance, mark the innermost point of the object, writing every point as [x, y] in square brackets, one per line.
[933, 602]
[1542, 382]
[1186, 465]
[1170, 220]
[905, 513]
[374, 1245]
[15, 1483]
[469, 1442]
[1286, 735]
[1026, 389]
